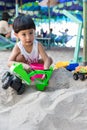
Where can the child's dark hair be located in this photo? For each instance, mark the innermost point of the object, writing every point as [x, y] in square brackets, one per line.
[23, 22]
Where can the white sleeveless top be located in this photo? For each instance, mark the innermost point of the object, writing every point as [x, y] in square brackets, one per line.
[30, 57]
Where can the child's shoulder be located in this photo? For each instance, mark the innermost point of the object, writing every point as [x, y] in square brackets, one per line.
[36, 43]
[19, 43]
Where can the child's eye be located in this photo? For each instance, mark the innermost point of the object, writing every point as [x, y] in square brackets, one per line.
[24, 34]
[31, 33]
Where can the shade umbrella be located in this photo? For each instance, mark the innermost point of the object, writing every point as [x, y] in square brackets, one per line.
[10, 4]
[74, 7]
[49, 4]
[13, 4]
[56, 4]
[31, 8]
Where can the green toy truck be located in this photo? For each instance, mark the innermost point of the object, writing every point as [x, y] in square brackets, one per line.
[40, 83]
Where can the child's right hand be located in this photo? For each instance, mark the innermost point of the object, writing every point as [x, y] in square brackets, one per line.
[27, 67]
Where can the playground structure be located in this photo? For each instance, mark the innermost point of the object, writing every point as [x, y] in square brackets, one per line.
[77, 48]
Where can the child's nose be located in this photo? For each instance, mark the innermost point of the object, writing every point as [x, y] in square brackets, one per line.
[27, 37]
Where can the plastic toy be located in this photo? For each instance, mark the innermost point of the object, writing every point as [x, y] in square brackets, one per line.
[61, 64]
[66, 64]
[72, 66]
[37, 66]
[80, 73]
[18, 70]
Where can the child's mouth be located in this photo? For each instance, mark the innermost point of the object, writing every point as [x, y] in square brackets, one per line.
[28, 41]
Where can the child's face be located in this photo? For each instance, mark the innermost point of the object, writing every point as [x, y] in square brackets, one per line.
[26, 36]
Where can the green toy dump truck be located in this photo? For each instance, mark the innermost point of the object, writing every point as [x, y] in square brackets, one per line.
[19, 77]
[40, 83]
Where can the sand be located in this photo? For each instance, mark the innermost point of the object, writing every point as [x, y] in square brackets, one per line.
[62, 106]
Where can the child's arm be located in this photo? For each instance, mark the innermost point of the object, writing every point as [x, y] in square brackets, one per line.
[16, 57]
[46, 59]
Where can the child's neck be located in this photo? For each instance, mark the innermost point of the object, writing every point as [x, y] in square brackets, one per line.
[29, 48]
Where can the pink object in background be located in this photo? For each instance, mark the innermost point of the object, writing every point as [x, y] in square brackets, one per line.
[37, 66]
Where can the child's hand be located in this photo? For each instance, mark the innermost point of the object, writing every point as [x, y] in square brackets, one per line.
[43, 77]
[27, 67]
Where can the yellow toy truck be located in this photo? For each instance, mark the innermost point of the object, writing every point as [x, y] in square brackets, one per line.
[80, 73]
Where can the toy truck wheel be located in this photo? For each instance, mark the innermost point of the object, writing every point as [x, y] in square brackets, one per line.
[81, 76]
[21, 90]
[75, 76]
[17, 85]
[5, 75]
[6, 82]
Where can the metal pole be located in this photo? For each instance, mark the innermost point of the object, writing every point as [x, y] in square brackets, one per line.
[85, 31]
[48, 4]
[49, 17]
[16, 7]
